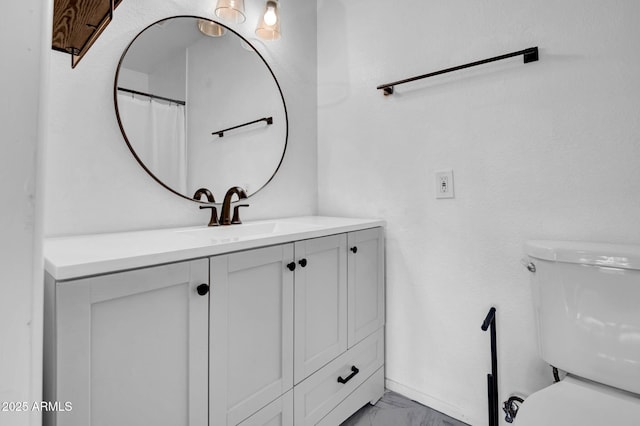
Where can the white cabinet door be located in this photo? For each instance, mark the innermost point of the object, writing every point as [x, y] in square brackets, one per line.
[131, 347]
[278, 413]
[366, 283]
[251, 332]
[320, 303]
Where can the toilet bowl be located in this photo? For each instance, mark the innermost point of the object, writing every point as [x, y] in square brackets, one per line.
[586, 299]
[577, 402]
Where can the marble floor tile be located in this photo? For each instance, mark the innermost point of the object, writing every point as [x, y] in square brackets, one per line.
[395, 410]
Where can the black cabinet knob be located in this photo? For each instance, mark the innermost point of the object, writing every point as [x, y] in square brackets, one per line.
[302, 262]
[202, 289]
[292, 266]
[354, 249]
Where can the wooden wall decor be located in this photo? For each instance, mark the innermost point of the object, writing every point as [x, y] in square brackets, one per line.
[77, 24]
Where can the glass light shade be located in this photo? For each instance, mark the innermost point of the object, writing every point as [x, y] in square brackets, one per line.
[210, 28]
[231, 10]
[269, 25]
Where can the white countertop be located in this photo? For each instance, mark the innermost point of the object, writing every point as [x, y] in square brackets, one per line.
[79, 256]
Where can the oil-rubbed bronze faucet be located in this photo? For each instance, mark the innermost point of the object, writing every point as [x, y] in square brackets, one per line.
[214, 212]
[225, 216]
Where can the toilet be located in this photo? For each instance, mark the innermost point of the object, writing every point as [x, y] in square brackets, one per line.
[586, 299]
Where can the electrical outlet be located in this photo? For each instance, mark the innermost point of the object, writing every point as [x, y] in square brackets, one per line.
[444, 184]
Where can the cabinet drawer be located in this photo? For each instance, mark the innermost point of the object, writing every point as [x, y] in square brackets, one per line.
[368, 392]
[321, 392]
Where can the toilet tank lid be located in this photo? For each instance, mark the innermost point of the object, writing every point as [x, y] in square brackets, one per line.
[600, 254]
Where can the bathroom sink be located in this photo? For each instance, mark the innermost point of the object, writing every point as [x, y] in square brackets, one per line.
[249, 230]
[86, 255]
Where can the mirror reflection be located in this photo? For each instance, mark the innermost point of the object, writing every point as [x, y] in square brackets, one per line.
[199, 107]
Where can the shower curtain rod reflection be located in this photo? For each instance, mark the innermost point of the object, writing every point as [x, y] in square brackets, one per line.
[149, 95]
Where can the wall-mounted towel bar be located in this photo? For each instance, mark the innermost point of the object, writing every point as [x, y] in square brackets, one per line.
[268, 120]
[530, 55]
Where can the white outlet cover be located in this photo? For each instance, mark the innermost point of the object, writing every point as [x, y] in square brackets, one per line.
[444, 184]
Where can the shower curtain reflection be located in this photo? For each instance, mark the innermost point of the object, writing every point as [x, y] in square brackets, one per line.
[156, 131]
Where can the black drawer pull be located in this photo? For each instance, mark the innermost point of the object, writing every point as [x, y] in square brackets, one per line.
[354, 249]
[202, 289]
[291, 266]
[354, 370]
[303, 262]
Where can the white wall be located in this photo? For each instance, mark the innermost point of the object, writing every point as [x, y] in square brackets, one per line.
[93, 182]
[543, 150]
[134, 80]
[21, 33]
[168, 80]
[245, 157]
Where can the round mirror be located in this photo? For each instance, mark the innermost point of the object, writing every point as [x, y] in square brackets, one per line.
[199, 107]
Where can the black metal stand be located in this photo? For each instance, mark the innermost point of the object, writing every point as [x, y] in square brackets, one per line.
[492, 378]
[529, 55]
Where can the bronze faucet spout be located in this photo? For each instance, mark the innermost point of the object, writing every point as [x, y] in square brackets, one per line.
[225, 216]
[204, 191]
[214, 211]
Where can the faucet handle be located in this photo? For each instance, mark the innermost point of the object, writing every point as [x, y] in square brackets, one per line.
[214, 215]
[236, 214]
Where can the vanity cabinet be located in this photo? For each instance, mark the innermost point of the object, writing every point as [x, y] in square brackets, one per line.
[276, 335]
[354, 376]
[129, 348]
[280, 324]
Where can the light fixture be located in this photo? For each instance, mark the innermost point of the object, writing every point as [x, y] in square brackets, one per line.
[211, 28]
[269, 25]
[231, 10]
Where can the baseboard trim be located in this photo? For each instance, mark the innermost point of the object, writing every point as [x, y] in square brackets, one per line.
[429, 401]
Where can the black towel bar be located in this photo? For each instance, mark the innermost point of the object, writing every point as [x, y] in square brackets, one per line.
[530, 55]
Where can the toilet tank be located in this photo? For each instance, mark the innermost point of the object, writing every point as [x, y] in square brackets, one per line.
[586, 299]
